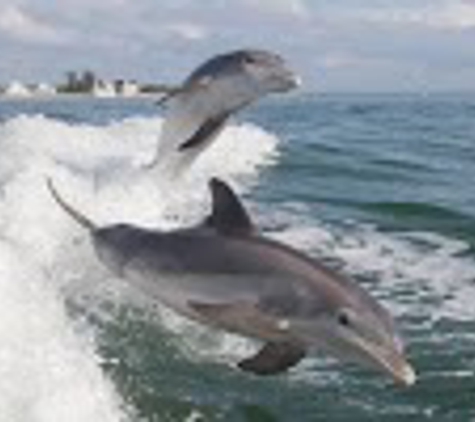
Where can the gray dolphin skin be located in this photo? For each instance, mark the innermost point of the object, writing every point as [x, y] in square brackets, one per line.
[199, 109]
[223, 273]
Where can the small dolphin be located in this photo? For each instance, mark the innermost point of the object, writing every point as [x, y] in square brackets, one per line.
[223, 273]
[199, 109]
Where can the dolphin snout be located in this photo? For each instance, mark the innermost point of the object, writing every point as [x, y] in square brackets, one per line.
[394, 362]
[287, 81]
[401, 371]
[295, 81]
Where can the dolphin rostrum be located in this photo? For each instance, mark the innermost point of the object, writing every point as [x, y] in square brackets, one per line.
[199, 109]
[225, 274]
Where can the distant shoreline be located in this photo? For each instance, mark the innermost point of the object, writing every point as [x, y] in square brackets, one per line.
[157, 96]
[79, 96]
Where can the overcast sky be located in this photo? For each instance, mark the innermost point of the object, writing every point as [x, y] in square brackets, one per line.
[337, 45]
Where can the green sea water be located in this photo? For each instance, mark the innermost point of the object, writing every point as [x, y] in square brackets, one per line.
[378, 186]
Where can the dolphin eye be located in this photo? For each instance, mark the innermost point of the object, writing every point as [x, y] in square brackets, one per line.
[249, 60]
[344, 319]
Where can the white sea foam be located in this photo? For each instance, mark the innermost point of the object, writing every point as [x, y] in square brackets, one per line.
[50, 368]
[410, 271]
[48, 372]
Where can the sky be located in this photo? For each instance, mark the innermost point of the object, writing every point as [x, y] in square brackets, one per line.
[335, 45]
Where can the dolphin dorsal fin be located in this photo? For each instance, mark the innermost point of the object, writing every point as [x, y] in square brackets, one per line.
[228, 215]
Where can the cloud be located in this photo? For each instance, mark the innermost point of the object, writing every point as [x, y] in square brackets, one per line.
[459, 14]
[291, 8]
[19, 25]
[188, 31]
[342, 44]
[441, 14]
[336, 60]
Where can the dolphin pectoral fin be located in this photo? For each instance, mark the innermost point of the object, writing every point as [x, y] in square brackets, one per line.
[208, 129]
[242, 317]
[273, 358]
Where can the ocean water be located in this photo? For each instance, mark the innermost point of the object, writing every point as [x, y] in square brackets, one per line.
[378, 186]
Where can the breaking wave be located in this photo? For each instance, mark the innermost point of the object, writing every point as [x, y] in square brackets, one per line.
[51, 368]
[51, 357]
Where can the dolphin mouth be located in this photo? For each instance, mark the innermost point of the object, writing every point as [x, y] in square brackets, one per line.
[295, 81]
[392, 362]
[400, 370]
[287, 82]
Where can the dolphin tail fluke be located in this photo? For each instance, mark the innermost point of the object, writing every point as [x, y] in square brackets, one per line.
[76, 215]
[273, 358]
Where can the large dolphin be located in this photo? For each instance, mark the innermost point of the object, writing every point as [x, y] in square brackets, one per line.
[198, 110]
[225, 274]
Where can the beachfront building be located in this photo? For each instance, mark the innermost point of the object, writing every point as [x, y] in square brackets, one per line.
[103, 89]
[126, 88]
[17, 89]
